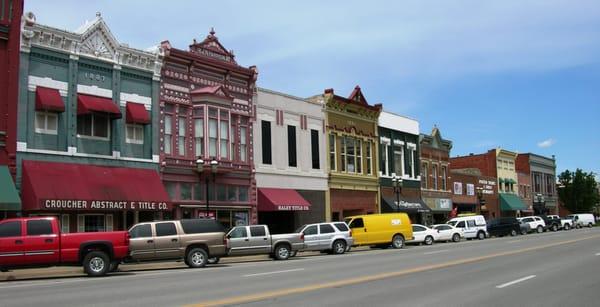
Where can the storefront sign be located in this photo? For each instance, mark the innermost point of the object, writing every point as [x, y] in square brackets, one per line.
[61, 204]
[488, 186]
[292, 208]
[458, 188]
[203, 215]
[444, 203]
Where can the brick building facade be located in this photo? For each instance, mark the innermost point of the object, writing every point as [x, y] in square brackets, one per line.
[435, 170]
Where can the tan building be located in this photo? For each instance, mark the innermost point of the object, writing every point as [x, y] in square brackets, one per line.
[352, 151]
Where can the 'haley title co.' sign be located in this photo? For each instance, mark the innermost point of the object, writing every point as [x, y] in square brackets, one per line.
[62, 204]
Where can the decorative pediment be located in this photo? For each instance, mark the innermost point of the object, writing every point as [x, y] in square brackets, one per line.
[357, 96]
[212, 48]
[217, 93]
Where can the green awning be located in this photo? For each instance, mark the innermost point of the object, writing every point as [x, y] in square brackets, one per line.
[512, 181]
[9, 197]
[501, 180]
[511, 202]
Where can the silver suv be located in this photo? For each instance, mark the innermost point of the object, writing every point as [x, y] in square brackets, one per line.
[334, 238]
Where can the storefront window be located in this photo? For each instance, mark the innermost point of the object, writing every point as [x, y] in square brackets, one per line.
[224, 217]
[240, 218]
[171, 189]
[91, 223]
[186, 191]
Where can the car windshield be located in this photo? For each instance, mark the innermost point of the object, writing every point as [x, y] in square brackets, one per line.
[453, 223]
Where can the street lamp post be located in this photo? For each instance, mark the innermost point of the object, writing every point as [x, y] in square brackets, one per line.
[213, 167]
[397, 183]
[541, 205]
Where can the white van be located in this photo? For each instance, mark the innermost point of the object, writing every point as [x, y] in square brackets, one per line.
[582, 219]
[474, 226]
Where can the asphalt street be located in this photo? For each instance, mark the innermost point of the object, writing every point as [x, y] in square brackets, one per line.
[549, 269]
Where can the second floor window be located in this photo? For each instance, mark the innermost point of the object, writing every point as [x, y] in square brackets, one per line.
[266, 142]
[434, 173]
[398, 162]
[199, 136]
[385, 162]
[46, 122]
[549, 185]
[358, 144]
[243, 144]
[168, 134]
[291, 134]
[181, 137]
[350, 155]
[314, 148]
[134, 134]
[96, 125]
[224, 135]
[332, 153]
[424, 178]
[444, 175]
[369, 161]
[410, 153]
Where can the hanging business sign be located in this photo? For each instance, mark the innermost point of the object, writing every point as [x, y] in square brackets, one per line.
[102, 205]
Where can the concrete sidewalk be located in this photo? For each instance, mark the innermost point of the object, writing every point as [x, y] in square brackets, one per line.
[75, 271]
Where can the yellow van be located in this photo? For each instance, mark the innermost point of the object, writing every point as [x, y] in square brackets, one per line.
[381, 229]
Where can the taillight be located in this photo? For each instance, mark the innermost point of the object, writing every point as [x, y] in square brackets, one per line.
[127, 237]
[350, 233]
[302, 237]
[226, 242]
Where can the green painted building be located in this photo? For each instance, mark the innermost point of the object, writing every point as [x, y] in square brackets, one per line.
[87, 100]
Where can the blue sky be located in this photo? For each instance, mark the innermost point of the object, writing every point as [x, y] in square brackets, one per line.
[523, 75]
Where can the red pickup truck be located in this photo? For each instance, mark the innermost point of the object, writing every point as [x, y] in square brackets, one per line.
[38, 242]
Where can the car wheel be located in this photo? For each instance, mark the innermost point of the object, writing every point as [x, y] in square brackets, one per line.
[339, 247]
[590, 225]
[397, 241]
[282, 252]
[197, 258]
[293, 254]
[96, 263]
[455, 237]
[481, 235]
[523, 232]
[513, 233]
[554, 227]
[214, 260]
[540, 229]
[428, 240]
[567, 227]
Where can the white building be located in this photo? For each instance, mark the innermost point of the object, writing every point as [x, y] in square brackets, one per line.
[289, 155]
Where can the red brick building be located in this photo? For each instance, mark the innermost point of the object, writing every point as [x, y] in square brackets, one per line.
[472, 192]
[436, 191]
[207, 113]
[524, 180]
[10, 32]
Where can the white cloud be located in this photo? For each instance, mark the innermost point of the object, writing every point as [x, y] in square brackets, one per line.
[547, 143]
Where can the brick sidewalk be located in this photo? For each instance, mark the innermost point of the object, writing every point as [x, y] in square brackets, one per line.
[74, 271]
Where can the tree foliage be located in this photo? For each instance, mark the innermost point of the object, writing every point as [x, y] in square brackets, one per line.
[577, 190]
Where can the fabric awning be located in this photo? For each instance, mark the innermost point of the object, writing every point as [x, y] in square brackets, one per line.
[71, 186]
[48, 99]
[511, 202]
[136, 113]
[87, 104]
[9, 197]
[272, 199]
[407, 205]
[501, 180]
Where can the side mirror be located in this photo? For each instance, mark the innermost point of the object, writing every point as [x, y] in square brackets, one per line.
[228, 236]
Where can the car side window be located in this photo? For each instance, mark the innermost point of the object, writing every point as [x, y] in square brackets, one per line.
[257, 231]
[39, 228]
[310, 230]
[141, 231]
[418, 228]
[326, 228]
[357, 223]
[443, 227]
[238, 232]
[460, 224]
[165, 229]
[341, 226]
[471, 223]
[10, 229]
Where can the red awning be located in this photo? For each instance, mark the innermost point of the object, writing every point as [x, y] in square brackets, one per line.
[48, 99]
[271, 199]
[87, 104]
[70, 186]
[136, 113]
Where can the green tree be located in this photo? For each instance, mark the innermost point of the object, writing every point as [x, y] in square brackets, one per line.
[577, 190]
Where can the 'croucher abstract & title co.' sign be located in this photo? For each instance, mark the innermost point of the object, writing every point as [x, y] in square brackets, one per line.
[60, 204]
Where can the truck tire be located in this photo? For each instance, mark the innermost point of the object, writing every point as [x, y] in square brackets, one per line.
[554, 227]
[590, 225]
[96, 263]
[214, 260]
[481, 235]
[397, 241]
[339, 247]
[114, 266]
[196, 258]
[282, 252]
[293, 254]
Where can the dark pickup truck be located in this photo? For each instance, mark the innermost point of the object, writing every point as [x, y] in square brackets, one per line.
[38, 242]
[552, 222]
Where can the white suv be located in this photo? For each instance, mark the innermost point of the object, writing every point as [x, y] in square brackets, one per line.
[334, 238]
[535, 222]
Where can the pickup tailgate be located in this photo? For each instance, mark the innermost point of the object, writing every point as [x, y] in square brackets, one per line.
[295, 239]
[116, 243]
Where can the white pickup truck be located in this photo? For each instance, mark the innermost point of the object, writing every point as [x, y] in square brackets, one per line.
[257, 240]
[565, 223]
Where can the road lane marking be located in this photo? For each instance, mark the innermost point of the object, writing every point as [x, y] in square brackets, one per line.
[514, 241]
[436, 252]
[375, 277]
[274, 272]
[598, 254]
[510, 283]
